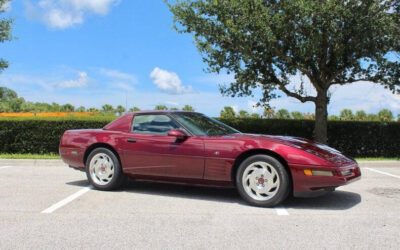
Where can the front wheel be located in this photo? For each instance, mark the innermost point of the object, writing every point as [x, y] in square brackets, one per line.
[103, 169]
[262, 181]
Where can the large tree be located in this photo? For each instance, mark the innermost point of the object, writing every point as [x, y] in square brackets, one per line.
[228, 113]
[5, 30]
[188, 108]
[266, 43]
[120, 110]
[160, 107]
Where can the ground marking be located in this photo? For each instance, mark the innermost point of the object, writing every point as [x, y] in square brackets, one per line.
[65, 201]
[381, 172]
[281, 211]
[5, 167]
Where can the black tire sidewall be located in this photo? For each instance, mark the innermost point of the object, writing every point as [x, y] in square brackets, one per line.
[118, 175]
[283, 190]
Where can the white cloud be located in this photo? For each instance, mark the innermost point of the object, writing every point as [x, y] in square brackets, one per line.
[82, 81]
[116, 74]
[365, 96]
[62, 14]
[216, 79]
[172, 103]
[119, 79]
[169, 82]
[124, 86]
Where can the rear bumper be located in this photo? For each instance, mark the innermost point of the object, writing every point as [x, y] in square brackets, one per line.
[303, 184]
[72, 156]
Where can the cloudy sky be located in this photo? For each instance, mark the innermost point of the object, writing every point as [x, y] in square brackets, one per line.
[92, 52]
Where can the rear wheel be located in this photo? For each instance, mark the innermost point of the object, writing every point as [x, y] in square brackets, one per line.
[103, 169]
[262, 181]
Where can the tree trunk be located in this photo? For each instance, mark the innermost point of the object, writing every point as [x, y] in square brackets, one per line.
[321, 118]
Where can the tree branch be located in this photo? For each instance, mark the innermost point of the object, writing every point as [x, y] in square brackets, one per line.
[283, 88]
[302, 70]
[295, 95]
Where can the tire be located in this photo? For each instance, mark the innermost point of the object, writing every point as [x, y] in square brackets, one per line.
[104, 170]
[262, 181]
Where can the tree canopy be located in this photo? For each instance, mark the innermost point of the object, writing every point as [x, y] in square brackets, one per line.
[120, 110]
[228, 113]
[160, 107]
[265, 44]
[5, 31]
[7, 94]
[187, 108]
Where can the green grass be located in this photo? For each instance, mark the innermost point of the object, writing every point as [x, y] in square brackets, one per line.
[29, 156]
[56, 156]
[377, 159]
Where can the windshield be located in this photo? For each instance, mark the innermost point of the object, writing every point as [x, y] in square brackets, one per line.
[202, 125]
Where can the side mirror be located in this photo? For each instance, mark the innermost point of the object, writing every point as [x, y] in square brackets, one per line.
[179, 134]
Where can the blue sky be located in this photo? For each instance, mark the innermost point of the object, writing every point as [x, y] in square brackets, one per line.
[93, 52]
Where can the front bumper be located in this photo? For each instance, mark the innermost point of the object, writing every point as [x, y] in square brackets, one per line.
[304, 185]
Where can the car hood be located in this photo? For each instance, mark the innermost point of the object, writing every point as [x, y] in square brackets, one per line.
[318, 149]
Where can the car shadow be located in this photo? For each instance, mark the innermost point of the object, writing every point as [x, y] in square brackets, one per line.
[229, 195]
[80, 183]
[338, 200]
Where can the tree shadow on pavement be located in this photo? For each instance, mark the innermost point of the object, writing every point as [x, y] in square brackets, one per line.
[338, 200]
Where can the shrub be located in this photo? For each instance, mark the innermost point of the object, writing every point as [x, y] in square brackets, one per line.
[38, 136]
[356, 139]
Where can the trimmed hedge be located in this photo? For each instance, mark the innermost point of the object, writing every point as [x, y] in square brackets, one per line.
[356, 139]
[38, 136]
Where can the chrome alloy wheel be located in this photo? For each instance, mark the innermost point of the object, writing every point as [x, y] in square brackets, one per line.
[260, 181]
[101, 169]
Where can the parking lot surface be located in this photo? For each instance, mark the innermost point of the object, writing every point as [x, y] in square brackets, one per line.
[46, 205]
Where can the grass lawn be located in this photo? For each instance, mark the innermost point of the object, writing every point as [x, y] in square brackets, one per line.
[29, 156]
[377, 159]
[56, 156]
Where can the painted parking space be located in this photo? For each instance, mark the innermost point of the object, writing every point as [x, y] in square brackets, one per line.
[154, 215]
[33, 188]
[392, 171]
[143, 198]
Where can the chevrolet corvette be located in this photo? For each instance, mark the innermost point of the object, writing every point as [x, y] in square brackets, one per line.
[191, 148]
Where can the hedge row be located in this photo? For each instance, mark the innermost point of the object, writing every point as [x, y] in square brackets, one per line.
[354, 138]
[38, 136]
[357, 139]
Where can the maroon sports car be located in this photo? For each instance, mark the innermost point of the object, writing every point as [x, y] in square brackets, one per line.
[191, 148]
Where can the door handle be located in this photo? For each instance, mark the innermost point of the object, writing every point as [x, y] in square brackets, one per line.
[131, 140]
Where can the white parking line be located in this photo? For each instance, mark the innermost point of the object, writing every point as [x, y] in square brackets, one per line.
[65, 201]
[281, 211]
[2, 167]
[381, 172]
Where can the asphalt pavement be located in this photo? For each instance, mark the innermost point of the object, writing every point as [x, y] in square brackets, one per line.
[46, 205]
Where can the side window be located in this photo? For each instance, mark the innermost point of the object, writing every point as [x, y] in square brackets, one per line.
[153, 124]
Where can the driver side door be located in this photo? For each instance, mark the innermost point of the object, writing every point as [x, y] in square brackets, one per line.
[149, 151]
